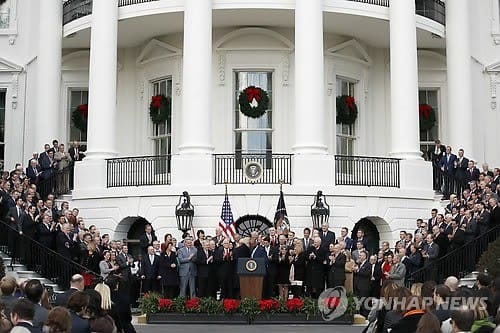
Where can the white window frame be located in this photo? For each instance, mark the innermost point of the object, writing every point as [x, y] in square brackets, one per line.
[426, 144]
[156, 138]
[351, 134]
[69, 112]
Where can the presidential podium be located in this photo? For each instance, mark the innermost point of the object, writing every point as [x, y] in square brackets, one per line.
[251, 272]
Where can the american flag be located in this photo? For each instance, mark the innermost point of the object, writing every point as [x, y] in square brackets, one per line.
[226, 222]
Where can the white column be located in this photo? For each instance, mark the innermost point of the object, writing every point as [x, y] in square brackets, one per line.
[404, 80]
[49, 73]
[196, 116]
[458, 59]
[102, 80]
[309, 78]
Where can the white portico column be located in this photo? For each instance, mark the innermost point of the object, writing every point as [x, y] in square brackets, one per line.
[49, 73]
[404, 80]
[312, 165]
[193, 163]
[197, 79]
[309, 78]
[91, 173]
[458, 59]
[102, 80]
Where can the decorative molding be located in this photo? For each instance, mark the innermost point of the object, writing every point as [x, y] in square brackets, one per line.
[495, 21]
[9, 66]
[12, 39]
[222, 68]
[351, 50]
[178, 83]
[14, 90]
[254, 39]
[493, 71]
[286, 70]
[76, 61]
[156, 50]
[140, 90]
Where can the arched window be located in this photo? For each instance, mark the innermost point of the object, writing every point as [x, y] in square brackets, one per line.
[248, 223]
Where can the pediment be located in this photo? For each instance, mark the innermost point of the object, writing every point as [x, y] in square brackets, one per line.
[351, 50]
[155, 50]
[493, 68]
[430, 60]
[8, 66]
[76, 61]
[254, 39]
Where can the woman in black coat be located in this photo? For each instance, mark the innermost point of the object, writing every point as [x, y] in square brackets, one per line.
[167, 269]
[283, 280]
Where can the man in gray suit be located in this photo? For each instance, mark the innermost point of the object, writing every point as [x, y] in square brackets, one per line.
[187, 267]
[430, 255]
[397, 272]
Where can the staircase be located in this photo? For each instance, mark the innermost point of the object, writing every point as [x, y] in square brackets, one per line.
[50, 267]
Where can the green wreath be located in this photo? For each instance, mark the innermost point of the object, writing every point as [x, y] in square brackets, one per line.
[426, 117]
[160, 108]
[79, 116]
[347, 110]
[246, 99]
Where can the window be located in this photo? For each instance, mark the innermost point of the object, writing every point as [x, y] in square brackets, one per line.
[429, 96]
[77, 96]
[253, 136]
[162, 132]
[5, 15]
[346, 134]
[3, 97]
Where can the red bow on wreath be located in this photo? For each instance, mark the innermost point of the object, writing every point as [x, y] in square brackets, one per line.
[253, 93]
[84, 110]
[350, 102]
[156, 101]
[424, 110]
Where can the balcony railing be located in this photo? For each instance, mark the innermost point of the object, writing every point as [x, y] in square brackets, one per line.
[432, 9]
[253, 168]
[138, 171]
[366, 171]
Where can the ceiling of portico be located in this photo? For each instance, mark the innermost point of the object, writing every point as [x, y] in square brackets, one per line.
[136, 31]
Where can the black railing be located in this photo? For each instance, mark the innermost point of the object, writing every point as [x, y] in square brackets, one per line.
[138, 171]
[447, 182]
[74, 9]
[60, 182]
[432, 9]
[39, 258]
[366, 171]
[253, 168]
[457, 262]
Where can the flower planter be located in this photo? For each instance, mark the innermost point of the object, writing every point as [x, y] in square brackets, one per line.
[196, 318]
[297, 319]
[277, 318]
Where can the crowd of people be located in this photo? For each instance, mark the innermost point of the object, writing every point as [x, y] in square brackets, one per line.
[205, 265]
[100, 308]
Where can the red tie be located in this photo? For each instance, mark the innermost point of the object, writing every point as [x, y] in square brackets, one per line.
[227, 255]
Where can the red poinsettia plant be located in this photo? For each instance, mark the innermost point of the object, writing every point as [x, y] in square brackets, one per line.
[230, 305]
[294, 305]
[193, 305]
[165, 304]
[269, 305]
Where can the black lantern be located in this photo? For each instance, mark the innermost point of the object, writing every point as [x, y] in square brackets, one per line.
[184, 212]
[320, 211]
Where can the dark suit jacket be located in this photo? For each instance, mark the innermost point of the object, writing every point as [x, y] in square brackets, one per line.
[45, 236]
[150, 271]
[337, 268]
[201, 261]
[16, 224]
[448, 164]
[328, 239]
[363, 276]
[64, 245]
[457, 240]
[494, 217]
[474, 175]
[461, 169]
[433, 252]
[78, 324]
[28, 226]
[62, 299]
[260, 252]
[309, 243]
[72, 154]
[33, 174]
[144, 242]
[436, 158]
